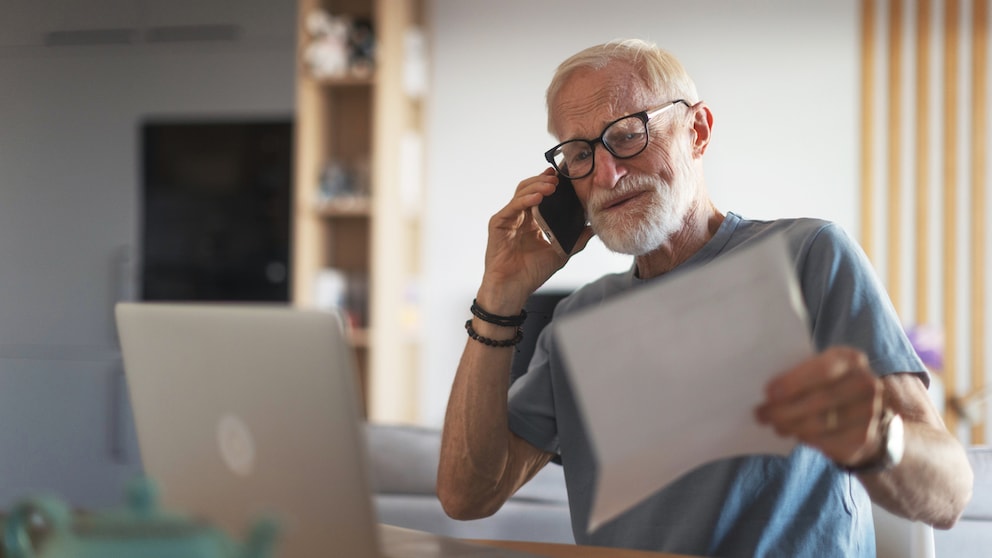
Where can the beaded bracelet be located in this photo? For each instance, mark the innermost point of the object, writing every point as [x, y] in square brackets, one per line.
[493, 342]
[505, 321]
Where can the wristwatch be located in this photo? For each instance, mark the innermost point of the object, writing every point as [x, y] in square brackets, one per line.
[892, 447]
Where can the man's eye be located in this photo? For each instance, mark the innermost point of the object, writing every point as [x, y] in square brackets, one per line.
[621, 141]
[577, 156]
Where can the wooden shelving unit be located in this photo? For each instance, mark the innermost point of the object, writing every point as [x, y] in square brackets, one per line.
[368, 126]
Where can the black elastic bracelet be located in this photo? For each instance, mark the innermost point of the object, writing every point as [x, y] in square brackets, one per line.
[493, 342]
[505, 321]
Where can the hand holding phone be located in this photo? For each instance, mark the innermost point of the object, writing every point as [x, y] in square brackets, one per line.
[561, 217]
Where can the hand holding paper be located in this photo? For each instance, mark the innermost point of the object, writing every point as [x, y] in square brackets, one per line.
[668, 376]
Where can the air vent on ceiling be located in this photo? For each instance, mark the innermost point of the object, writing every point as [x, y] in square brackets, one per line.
[81, 37]
[157, 34]
[192, 33]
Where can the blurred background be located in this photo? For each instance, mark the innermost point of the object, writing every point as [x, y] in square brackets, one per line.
[151, 150]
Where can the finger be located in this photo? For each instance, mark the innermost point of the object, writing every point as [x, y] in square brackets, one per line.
[813, 374]
[850, 421]
[517, 210]
[542, 181]
[854, 434]
[850, 389]
[844, 433]
[529, 193]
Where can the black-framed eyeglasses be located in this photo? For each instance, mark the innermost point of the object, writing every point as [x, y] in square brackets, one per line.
[624, 138]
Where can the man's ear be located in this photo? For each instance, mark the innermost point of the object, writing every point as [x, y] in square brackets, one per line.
[702, 126]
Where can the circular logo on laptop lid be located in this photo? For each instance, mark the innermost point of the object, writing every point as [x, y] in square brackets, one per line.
[237, 448]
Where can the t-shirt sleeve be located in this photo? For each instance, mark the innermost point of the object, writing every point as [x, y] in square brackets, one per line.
[531, 404]
[849, 306]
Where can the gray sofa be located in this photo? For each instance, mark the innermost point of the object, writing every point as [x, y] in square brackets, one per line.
[972, 535]
[404, 463]
[404, 468]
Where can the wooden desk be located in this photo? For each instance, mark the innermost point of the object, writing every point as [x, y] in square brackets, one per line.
[406, 543]
[552, 550]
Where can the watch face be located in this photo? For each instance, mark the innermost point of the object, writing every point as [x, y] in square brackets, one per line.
[895, 442]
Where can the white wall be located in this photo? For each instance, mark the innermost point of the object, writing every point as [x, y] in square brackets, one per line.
[69, 202]
[781, 77]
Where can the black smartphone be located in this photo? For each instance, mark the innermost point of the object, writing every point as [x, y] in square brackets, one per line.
[561, 217]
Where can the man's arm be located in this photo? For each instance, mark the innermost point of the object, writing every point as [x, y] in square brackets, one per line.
[834, 402]
[482, 462]
[933, 482]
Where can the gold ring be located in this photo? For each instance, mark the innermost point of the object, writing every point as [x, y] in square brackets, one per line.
[831, 420]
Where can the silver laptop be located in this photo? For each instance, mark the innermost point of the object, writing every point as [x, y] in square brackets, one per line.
[244, 411]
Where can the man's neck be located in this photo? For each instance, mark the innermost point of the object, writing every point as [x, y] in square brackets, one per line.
[700, 226]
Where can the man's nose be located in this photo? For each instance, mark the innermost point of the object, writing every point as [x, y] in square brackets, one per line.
[607, 170]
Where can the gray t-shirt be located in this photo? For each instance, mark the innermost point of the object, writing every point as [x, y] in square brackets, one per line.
[800, 505]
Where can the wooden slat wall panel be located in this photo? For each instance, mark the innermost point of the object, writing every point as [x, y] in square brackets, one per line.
[867, 129]
[893, 165]
[958, 152]
[949, 261]
[979, 187]
[921, 161]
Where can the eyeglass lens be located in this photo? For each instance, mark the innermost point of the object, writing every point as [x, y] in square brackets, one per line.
[624, 138]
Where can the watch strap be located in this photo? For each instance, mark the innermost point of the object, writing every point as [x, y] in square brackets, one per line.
[890, 449]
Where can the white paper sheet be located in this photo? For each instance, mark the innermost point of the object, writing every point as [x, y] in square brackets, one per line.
[668, 376]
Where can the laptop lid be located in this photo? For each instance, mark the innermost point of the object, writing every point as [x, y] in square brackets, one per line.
[242, 411]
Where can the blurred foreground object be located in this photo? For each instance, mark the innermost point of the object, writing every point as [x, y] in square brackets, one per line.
[45, 527]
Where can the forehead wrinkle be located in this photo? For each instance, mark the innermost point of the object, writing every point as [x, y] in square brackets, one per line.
[579, 115]
[616, 94]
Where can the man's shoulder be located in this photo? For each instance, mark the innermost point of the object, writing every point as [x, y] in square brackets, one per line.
[802, 234]
[793, 228]
[596, 291]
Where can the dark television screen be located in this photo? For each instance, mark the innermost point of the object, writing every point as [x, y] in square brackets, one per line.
[216, 202]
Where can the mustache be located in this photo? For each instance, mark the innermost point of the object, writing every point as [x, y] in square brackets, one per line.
[625, 186]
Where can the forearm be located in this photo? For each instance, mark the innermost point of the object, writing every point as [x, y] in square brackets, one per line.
[932, 483]
[474, 440]
[482, 463]
[834, 402]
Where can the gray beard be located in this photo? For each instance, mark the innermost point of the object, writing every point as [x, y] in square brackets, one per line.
[647, 229]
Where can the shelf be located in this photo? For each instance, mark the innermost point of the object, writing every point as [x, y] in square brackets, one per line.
[353, 135]
[345, 81]
[345, 206]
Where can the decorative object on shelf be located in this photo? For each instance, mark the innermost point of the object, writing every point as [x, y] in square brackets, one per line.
[45, 527]
[361, 48]
[327, 54]
[357, 299]
[972, 406]
[336, 181]
[415, 69]
[339, 179]
[928, 341]
[344, 291]
[339, 46]
[331, 292]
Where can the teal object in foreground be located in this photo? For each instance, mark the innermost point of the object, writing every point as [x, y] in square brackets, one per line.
[45, 527]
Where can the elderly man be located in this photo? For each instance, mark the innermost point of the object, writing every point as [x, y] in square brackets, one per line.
[859, 408]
